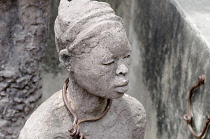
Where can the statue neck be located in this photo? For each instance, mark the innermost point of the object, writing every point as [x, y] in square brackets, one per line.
[83, 103]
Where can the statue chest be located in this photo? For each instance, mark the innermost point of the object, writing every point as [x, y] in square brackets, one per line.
[112, 126]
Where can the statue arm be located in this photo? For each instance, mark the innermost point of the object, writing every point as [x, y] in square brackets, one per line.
[140, 122]
[138, 131]
[138, 116]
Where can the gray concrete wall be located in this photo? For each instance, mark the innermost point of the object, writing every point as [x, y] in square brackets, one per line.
[174, 51]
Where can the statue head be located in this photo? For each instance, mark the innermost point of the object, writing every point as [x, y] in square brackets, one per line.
[93, 47]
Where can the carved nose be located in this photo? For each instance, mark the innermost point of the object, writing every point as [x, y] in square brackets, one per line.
[122, 70]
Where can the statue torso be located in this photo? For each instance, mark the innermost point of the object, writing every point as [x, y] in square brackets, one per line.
[125, 120]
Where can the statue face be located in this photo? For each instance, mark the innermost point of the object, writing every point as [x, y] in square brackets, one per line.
[104, 70]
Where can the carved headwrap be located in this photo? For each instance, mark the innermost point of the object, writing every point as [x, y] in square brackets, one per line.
[79, 21]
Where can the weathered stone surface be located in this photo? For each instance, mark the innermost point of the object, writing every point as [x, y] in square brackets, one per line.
[23, 31]
[122, 9]
[125, 120]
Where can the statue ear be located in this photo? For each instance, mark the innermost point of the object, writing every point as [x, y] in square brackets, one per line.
[64, 58]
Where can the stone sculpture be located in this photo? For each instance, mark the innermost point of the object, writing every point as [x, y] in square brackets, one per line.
[94, 48]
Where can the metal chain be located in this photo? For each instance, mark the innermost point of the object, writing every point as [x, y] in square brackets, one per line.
[189, 116]
[75, 130]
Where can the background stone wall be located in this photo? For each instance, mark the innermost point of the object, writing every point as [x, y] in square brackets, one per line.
[23, 37]
[174, 51]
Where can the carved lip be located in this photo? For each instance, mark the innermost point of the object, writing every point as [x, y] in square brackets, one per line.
[122, 89]
[124, 83]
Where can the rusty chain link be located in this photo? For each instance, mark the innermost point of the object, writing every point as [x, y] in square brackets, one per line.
[189, 116]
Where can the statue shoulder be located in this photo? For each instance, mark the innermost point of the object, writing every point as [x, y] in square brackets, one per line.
[131, 105]
[135, 106]
[47, 121]
[133, 111]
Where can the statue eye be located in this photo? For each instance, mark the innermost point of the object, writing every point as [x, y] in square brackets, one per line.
[128, 56]
[109, 62]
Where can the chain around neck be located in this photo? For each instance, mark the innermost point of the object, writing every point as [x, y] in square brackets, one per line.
[74, 132]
